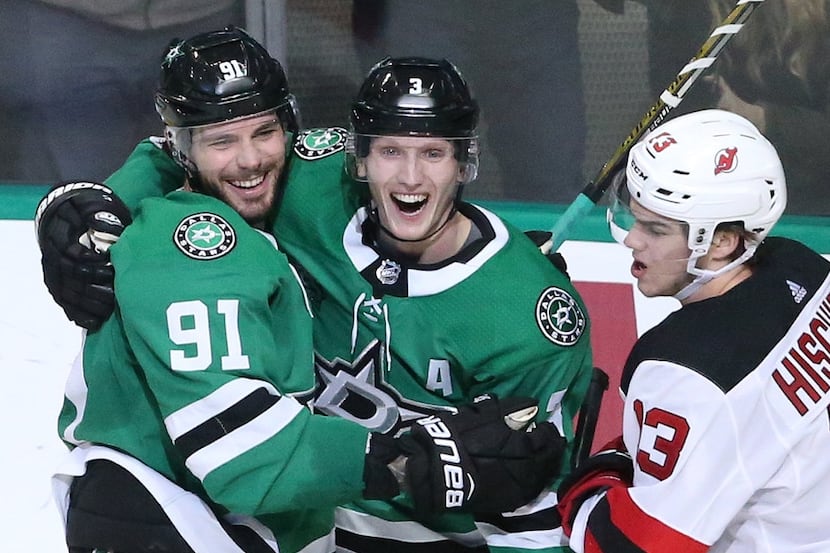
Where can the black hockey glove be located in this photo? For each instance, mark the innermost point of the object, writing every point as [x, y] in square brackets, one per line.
[610, 468]
[472, 461]
[542, 240]
[76, 223]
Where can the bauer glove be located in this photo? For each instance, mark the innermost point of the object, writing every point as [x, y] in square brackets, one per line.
[76, 223]
[471, 461]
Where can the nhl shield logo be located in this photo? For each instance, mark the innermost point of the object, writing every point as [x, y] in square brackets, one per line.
[319, 143]
[388, 272]
[559, 317]
[204, 236]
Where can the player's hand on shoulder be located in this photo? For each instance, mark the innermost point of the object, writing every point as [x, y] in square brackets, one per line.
[542, 240]
[76, 223]
[487, 457]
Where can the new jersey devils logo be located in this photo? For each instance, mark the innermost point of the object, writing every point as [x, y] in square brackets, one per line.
[726, 160]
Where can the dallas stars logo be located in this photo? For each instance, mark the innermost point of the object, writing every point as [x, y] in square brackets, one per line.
[358, 392]
[173, 53]
[204, 236]
[559, 317]
[318, 143]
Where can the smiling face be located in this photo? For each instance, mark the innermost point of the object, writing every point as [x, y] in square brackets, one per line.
[660, 252]
[240, 163]
[413, 182]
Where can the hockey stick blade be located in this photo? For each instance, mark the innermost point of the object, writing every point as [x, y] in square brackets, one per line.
[670, 98]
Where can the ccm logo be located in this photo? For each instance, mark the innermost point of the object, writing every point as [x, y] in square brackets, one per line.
[639, 172]
[448, 453]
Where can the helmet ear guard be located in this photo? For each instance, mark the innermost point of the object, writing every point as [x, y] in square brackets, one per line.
[468, 156]
[179, 142]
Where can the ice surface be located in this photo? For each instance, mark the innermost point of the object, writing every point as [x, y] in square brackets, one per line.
[37, 347]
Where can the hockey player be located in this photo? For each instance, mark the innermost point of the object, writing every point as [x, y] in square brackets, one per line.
[726, 401]
[426, 300]
[182, 411]
[418, 304]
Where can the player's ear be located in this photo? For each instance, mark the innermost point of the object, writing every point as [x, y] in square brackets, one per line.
[725, 244]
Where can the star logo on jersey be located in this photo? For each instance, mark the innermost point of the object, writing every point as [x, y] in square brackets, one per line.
[204, 236]
[319, 143]
[560, 317]
[173, 53]
[357, 391]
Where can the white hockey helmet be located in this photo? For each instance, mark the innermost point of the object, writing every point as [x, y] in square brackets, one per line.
[703, 169]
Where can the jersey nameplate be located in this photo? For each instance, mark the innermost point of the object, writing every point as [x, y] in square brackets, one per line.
[801, 374]
[319, 143]
[204, 236]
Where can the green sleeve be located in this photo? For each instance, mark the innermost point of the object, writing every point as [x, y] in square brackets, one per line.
[224, 341]
[148, 172]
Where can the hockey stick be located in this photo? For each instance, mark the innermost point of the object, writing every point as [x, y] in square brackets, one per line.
[586, 423]
[669, 99]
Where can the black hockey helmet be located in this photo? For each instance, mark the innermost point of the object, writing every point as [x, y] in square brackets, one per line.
[416, 97]
[219, 76]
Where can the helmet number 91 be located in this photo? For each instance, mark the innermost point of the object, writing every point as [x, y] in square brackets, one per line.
[232, 69]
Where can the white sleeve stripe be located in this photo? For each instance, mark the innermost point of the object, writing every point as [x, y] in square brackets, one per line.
[190, 416]
[530, 539]
[243, 439]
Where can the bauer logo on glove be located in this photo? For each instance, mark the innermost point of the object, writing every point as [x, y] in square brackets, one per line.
[455, 476]
[486, 458]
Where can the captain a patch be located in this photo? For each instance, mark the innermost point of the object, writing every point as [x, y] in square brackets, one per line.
[560, 317]
[319, 143]
[204, 236]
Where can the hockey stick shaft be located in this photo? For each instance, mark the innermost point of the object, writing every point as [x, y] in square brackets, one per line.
[586, 424]
[669, 99]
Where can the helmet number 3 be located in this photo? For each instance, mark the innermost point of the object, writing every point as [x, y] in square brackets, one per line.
[232, 69]
[416, 85]
[188, 324]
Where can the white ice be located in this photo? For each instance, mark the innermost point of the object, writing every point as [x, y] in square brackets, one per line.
[37, 347]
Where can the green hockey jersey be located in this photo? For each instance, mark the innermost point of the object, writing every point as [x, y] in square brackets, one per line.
[195, 374]
[395, 341]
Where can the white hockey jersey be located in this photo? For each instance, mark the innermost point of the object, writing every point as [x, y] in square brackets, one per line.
[726, 417]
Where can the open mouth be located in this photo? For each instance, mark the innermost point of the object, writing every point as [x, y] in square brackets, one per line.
[410, 203]
[637, 268]
[249, 183]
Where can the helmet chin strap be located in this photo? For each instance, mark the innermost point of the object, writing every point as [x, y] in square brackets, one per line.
[703, 276]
